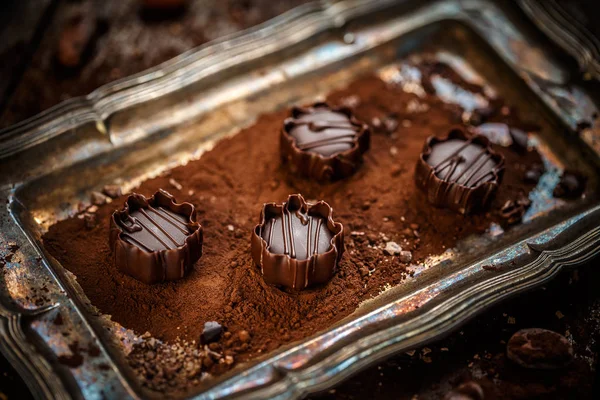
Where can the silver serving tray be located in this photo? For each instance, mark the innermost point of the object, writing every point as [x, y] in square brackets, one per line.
[130, 130]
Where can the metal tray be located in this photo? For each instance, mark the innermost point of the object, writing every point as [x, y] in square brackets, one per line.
[133, 129]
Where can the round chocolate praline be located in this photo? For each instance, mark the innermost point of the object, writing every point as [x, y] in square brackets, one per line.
[460, 172]
[322, 142]
[297, 244]
[155, 239]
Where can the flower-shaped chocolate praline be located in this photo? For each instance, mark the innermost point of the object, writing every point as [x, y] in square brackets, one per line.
[460, 172]
[297, 244]
[155, 239]
[322, 142]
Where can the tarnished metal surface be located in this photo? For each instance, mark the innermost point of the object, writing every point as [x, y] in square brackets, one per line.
[129, 131]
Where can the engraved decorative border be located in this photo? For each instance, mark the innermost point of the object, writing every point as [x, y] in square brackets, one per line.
[293, 372]
[551, 17]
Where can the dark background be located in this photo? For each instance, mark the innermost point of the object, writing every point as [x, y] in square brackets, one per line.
[126, 39]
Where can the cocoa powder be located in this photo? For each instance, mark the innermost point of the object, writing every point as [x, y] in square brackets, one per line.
[228, 186]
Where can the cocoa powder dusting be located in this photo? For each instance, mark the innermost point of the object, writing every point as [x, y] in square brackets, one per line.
[228, 186]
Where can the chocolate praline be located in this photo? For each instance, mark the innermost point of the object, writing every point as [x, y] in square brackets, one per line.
[322, 142]
[155, 239]
[297, 244]
[459, 172]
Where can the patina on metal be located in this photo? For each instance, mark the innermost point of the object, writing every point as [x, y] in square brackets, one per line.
[194, 100]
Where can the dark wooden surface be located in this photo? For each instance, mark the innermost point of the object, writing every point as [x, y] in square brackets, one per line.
[28, 34]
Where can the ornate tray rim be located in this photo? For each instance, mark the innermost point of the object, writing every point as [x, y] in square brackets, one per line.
[567, 244]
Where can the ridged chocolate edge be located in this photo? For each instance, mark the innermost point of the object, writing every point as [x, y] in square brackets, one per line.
[453, 195]
[156, 266]
[313, 165]
[281, 269]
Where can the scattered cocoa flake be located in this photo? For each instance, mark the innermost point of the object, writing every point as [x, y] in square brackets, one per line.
[13, 246]
[390, 123]
[376, 123]
[571, 184]
[481, 115]
[583, 125]
[397, 170]
[512, 211]
[112, 191]
[90, 220]
[98, 199]
[72, 361]
[244, 336]
[520, 140]
[559, 315]
[534, 173]
[405, 256]
[175, 184]
[58, 320]
[93, 350]
[364, 271]
[351, 101]
[392, 249]
[211, 332]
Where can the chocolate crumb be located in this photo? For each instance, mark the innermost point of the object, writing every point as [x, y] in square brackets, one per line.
[481, 115]
[112, 191]
[98, 199]
[405, 256]
[175, 184]
[244, 336]
[93, 350]
[583, 125]
[89, 220]
[571, 184]
[512, 211]
[539, 349]
[519, 139]
[351, 101]
[534, 173]
[390, 123]
[392, 248]
[211, 332]
[72, 361]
